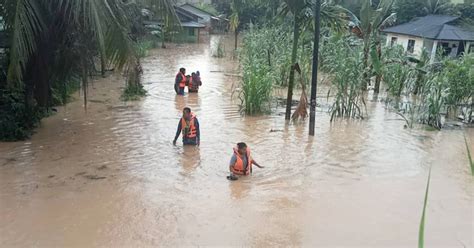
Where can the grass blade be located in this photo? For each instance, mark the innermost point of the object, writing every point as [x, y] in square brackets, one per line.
[471, 163]
[421, 232]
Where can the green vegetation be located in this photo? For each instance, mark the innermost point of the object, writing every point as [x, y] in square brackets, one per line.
[345, 64]
[133, 92]
[258, 76]
[208, 7]
[421, 230]
[55, 45]
[469, 156]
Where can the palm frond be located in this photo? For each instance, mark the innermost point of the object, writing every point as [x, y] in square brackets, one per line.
[24, 21]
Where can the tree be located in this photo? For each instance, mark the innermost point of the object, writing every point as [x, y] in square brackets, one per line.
[371, 21]
[332, 16]
[55, 40]
[408, 9]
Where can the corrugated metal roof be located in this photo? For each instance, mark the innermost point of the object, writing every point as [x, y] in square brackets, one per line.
[192, 25]
[433, 27]
[195, 10]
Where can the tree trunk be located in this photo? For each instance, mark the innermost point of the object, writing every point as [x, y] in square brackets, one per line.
[378, 77]
[102, 65]
[366, 75]
[289, 98]
[236, 36]
[314, 78]
[84, 80]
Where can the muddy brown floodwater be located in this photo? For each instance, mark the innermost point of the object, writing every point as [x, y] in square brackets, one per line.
[111, 176]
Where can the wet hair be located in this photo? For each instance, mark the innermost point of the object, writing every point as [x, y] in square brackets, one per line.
[187, 109]
[182, 69]
[241, 145]
[192, 74]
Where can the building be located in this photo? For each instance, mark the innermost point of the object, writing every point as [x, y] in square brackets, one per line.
[433, 33]
[190, 30]
[214, 24]
[191, 25]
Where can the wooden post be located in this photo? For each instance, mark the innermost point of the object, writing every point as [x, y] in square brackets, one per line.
[199, 35]
[314, 79]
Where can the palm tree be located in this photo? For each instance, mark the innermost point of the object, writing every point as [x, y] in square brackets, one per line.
[236, 7]
[372, 20]
[332, 16]
[436, 6]
[54, 40]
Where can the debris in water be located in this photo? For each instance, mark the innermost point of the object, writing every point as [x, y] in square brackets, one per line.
[103, 167]
[51, 176]
[94, 177]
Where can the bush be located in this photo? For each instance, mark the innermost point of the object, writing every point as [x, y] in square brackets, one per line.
[258, 73]
[17, 120]
[345, 65]
[133, 92]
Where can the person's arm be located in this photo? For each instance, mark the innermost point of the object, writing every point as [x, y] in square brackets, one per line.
[256, 164]
[178, 79]
[178, 132]
[233, 159]
[198, 131]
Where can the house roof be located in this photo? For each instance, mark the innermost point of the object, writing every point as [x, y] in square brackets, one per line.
[433, 27]
[186, 13]
[192, 25]
[196, 10]
[157, 24]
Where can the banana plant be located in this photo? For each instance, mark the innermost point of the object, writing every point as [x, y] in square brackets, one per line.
[371, 21]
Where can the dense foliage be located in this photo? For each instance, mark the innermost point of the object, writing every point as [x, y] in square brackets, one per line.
[55, 44]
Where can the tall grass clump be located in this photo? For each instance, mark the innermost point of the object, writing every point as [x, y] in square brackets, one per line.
[258, 76]
[430, 93]
[345, 64]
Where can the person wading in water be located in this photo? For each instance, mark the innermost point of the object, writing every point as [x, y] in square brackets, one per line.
[189, 126]
[180, 81]
[241, 162]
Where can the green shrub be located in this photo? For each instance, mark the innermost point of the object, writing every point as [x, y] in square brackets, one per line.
[17, 120]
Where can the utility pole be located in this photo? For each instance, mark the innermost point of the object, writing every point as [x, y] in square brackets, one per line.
[314, 78]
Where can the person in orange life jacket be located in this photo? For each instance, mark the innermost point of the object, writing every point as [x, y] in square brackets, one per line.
[180, 81]
[241, 162]
[189, 126]
[194, 82]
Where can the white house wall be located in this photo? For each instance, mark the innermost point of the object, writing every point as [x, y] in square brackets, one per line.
[403, 41]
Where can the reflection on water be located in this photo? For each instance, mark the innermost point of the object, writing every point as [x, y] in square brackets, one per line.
[111, 176]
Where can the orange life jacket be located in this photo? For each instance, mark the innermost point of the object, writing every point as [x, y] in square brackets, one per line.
[239, 167]
[189, 131]
[182, 83]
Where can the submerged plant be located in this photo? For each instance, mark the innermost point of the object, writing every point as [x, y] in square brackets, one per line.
[421, 230]
[471, 162]
[345, 63]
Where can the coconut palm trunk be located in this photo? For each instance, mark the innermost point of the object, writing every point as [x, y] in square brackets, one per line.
[289, 98]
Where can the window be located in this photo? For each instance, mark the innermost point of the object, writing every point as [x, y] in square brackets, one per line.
[411, 46]
[393, 41]
[191, 31]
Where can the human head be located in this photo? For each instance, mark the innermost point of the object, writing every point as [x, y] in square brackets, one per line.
[182, 70]
[198, 73]
[242, 148]
[186, 113]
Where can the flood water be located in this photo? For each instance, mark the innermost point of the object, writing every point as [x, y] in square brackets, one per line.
[111, 176]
